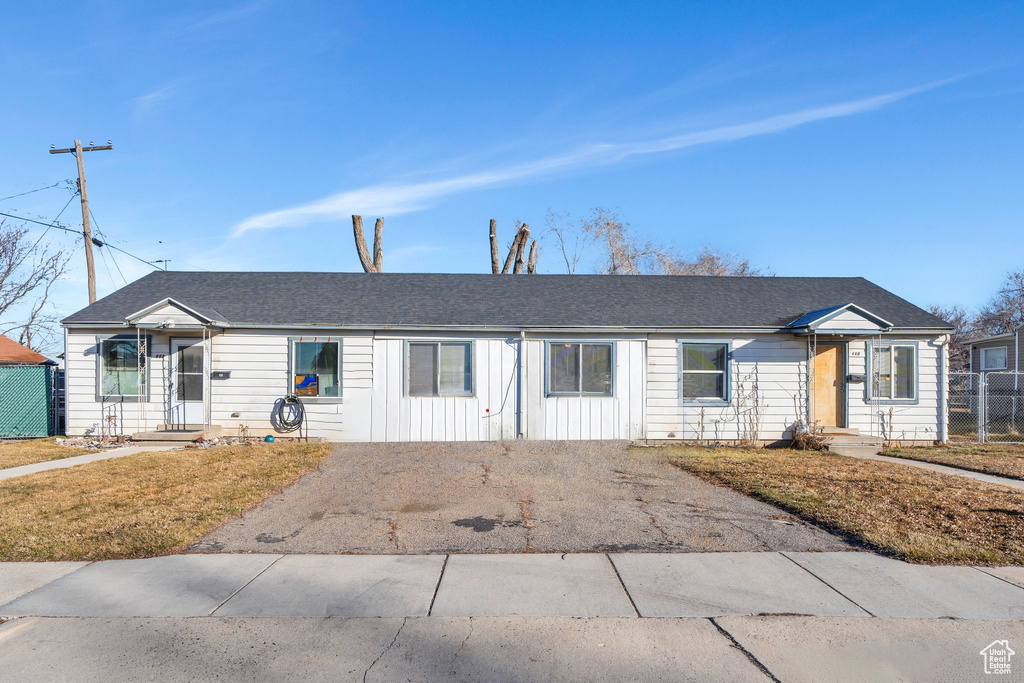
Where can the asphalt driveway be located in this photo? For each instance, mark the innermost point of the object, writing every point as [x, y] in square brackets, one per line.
[509, 497]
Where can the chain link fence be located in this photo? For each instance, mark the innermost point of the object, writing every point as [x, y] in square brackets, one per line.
[986, 407]
[30, 400]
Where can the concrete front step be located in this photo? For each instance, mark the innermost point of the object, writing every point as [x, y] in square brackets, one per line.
[854, 440]
[855, 450]
[176, 435]
[839, 431]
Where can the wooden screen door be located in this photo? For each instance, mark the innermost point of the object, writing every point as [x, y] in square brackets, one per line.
[829, 385]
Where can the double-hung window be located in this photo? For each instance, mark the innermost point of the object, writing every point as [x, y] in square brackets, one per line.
[122, 371]
[580, 369]
[893, 372]
[439, 368]
[993, 358]
[704, 369]
[316, 368]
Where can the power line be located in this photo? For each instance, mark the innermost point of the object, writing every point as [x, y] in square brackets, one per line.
[107, 241]
[48, 187]
[54, 222]
[78, 232]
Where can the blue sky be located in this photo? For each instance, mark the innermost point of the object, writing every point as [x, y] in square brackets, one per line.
[874, 139]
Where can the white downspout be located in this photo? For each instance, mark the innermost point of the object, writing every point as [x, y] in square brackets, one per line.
[944, 390]
[519, 383]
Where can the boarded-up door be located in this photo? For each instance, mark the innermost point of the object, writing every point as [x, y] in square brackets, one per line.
[829, 385]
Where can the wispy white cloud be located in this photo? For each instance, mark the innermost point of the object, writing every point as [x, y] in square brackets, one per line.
[397, 198]
[155, 99]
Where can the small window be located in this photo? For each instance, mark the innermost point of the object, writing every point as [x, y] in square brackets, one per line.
[893, 372]
[579, 369]
[440, 369]
[120, 365]
[705, 371]
[316, 369]
[994, 358]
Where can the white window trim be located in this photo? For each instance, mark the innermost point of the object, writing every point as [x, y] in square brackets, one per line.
[984, 355]
[144, 397]
[580, 393]
[341, 365]
[441, 342]
[869, 384]
[726, 373]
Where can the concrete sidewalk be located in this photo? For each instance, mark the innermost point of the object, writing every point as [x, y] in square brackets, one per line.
[844, 584]
[12, 472]
[945, 469]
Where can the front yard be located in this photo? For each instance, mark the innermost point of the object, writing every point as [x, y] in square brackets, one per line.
[142, 505]
[909, 513]
[17, 453]
[1005, 460]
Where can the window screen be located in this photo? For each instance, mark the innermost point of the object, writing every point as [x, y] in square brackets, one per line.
[440, 369]
[893, 372]
[316, 368]
[994, 358]
[119, 368]
[581, 369]
[705, 371]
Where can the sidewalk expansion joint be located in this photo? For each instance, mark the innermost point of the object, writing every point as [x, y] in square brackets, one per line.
[437, 586]
[830, 586]
[623, 584]
[746, 653]
[242, 587]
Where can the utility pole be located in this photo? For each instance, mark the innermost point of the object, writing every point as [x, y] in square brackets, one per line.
[78, 150]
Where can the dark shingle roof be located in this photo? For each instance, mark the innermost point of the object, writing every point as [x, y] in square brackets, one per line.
[396, 299]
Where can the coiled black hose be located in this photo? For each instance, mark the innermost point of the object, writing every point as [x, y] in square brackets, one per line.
[289, 413]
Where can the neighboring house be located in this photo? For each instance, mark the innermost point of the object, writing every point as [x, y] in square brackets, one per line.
[998, 353]
[26, 391]
[430, 357]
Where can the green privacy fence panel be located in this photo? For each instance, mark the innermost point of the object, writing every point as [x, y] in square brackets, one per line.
[26, 400]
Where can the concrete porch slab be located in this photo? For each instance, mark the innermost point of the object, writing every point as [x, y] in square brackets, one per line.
[890, 588]
[19, 578]
[340, 585]
[571, 585]
[818, 649]
[176, 585]
[715, 584]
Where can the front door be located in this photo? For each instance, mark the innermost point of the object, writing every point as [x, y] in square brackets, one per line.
[188, 383]
[829, 385]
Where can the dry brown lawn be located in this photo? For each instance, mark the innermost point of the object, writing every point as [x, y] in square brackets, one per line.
[1005, 460]
[142, 505]
[17, 453]
[903, 511]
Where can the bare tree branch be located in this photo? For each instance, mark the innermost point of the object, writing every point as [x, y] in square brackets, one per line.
[494, 246]
[378, 245]
[531, 263]
[364, 253]
[25, 270]
[520, 249]
[1005, 311]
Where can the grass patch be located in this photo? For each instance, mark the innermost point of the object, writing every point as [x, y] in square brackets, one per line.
[909, 513]
[1004, 460]
[17, 453]
[142, 505]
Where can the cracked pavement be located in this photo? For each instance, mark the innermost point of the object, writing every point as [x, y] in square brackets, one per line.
[411, 498]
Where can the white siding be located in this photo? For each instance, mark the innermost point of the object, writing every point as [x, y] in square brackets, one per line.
[910, 421]
[620, 416]
[774, 364]
[848, 320]
[85, 415]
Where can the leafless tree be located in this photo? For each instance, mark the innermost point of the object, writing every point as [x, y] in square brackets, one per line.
[1005, 311]
[709, 261]
[376, 264]
[517, 258]
[27, 274]
[614, 249]
[963, 331]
